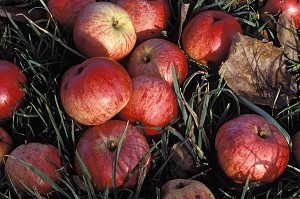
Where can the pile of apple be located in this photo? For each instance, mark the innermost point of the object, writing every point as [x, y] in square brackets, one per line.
[124, 93]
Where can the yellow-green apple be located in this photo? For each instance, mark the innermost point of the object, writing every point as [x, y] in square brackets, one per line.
[185, 188]
[153, 104]
[97, 149]
[251, 146]
[43, 157]
[65, 11]
[11, 88]
[149, 17]
[104, 29]
[296, 148]
[6, 144]
[291, 8]
[207, 36]
[95, 90]
[156, 57]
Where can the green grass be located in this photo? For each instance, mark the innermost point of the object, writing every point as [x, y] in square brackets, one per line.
[44, 51]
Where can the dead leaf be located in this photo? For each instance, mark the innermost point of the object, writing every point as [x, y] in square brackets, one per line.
[183, 13]
[256, 71]
[287, 37]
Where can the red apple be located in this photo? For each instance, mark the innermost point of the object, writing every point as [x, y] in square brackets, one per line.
[43, 157]
[156, 57]
[296, 148]
[11, 94]
[6, 144]
[104, 29]
[291, 8]
[153, 104]
[150, 17]
[185, 188]
[249, 145]
[65, 11]
[208, 36]
[97, 149]
[95, 90]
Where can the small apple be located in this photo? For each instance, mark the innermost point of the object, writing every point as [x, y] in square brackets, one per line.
[249, 145]
[296, 148]
[6, 144]
[149, 17]
[104, 29]
[208, 36]
[97, 149]
[65, 11]
[291, 8]
[156, 57]
[11, 93]
[95, 90]
[185, 188]
[43, 157]
[153, 104]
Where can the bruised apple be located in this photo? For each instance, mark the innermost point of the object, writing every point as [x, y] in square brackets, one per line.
[149, 17]
[153, 104]
[11, 88]
[104, 29]
[208, 36]
[97, 149]
[185, 188]
[156, 57]
[43, 157]
[249, 145]
[65, 11]
[95, 90]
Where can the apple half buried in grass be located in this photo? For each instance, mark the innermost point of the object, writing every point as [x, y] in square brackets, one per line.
[156, 57]
[11, 88]
[97, 149]
[251, 146]
[43, 157]
[95, 91]
[103, 29]
[153, 104]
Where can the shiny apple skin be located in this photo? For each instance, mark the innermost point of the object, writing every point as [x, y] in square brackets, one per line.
[96, 151]
[150, 17]
[208, 36]
[156, 57]
[103, 29]
[12, 94]
[185, 188]
[37, 155]
[249, 145]
[153, 104]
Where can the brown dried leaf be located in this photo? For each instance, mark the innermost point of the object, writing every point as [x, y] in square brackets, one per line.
[287, 37]
[183, 13]
[256, 71]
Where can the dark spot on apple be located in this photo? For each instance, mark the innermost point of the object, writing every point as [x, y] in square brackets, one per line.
[79, 70]
[216, 19]
[66, 86]
[152, 33]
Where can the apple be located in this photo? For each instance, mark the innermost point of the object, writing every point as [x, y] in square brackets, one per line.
[296, 148]
[291, 8]
[11, 88]
[207, 36]
[149, 17]
[6, 145]
[65, 11]
[104, 29]
[95, 90]
[249, 145]
[156, 57]
[153, 104]
[185, 188]
[43, 157]
[97, 149]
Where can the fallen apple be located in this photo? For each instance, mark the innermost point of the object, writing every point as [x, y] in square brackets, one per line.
[249, 146]
[6, 144]
[95, 91]
[157, 57]
[97, 149]
[104, 29]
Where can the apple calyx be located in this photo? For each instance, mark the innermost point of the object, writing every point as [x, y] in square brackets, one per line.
[79, 70]
[112, 145]
[145, 59]
[264, 131]
[115, 23]
[180, 185]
